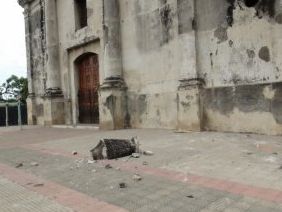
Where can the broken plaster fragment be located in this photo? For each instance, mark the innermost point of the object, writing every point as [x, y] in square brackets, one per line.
[148, 153]
[137, 177]
[34, 164]
[90, 161]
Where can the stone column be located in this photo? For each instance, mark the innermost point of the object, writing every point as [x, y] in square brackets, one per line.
[189, 90]
[54, 101]
[112, 41]
[112, 91]
[28, 39]
[53, 81]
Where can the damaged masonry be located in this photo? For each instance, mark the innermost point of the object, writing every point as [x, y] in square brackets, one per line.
[188, 65]
[118, 148]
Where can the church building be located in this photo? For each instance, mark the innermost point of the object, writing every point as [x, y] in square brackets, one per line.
[187, 65]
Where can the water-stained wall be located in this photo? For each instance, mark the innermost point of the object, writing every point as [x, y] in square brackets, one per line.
[186, 64]
[239, 49]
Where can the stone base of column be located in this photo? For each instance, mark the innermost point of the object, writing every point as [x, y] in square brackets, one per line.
[113, 104]
[31, 110]
[54, 107]
[189, 106]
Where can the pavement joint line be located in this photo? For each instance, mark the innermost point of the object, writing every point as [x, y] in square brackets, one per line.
[266, 194]
[60, 194]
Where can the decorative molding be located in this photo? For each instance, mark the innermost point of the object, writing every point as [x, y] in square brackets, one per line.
[113, 83]
[83, 42]
[192, 82]
[22, 3]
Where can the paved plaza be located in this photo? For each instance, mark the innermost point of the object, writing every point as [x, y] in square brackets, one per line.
[199, 172]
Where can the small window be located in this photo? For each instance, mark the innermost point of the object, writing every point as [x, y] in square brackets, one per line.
[80, 13]
[251, 3]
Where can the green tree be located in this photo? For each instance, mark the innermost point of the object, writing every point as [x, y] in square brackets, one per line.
[13, 88]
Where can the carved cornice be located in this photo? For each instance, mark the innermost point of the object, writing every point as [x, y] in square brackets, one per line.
[24, 2]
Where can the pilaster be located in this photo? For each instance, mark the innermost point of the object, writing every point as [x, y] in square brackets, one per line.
[53, 98]
[189, 105]
[113, 89]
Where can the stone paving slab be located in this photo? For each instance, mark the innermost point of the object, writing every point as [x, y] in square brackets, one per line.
[151, 194]
[211, 160]
[15, 198]
[62, 195]
[249, 159]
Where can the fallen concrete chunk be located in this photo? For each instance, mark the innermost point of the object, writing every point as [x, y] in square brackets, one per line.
[74, 153]
[18, 165]
[135, 155]
[115, 148]
[108, 166]
[90, 161]
[122, 185]
[190, 196]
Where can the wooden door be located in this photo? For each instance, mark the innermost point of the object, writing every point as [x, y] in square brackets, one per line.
[88, 68]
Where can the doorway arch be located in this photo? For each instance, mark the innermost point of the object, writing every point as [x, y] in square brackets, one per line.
[87, 66]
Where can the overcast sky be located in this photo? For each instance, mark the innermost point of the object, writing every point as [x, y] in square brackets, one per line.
[12, 40]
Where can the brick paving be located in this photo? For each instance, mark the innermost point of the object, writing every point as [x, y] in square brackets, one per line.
[166, 183]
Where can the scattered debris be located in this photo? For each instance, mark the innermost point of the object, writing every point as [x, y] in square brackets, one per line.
[74, 153]
[275, 153]
[135, 155]
[180, 131]
[18, 165]
[148, 153]
[38, 185]
[280, 167]
[122, 185]
[137, 177]
[190, 196]
[250, 153]
[34, 164]
[145, 163]
[93, 170]
[118, 168]
[115, 148]
[108, 166]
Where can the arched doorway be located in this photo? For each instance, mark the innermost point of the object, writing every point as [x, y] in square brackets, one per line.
[88, 75]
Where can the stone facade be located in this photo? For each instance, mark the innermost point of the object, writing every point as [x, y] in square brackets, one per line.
[178, 64]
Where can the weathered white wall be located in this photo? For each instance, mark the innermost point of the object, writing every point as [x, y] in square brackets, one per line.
[214, 65]
[238, 62]
[156, 55]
